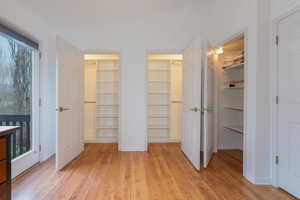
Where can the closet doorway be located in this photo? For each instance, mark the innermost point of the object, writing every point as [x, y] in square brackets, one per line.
[164, 98]
[101, 106]
[229, 62]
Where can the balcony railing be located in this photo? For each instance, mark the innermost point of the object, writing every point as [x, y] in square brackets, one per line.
[21, 139]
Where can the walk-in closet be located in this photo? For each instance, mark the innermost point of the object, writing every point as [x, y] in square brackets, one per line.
[164, 97]
[102, 98]
[230, 62]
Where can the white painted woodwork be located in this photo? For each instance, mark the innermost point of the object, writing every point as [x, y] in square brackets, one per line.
[90, 70]
[107, 99]
[176, 100]
[70, 96]
[191, 130]
[208, 105]
[230, 100]
[289, 104]
[164, 98]
[102, 98]
[27, 160]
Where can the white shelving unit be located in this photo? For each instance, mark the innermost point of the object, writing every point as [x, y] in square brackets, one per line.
[107, 99]
[236, 128]
[234, 108]
[233, 67]
[158, 99]
[232, 96]
[164, 89]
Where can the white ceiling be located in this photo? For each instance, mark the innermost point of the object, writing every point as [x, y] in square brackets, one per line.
[75, 13]
[116, 24]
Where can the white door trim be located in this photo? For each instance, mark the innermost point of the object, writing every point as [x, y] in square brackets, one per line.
[274, 80]
[249, 153]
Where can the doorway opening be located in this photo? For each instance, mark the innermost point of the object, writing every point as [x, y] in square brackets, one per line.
[229, 61]
[101, 105]
[164, 98]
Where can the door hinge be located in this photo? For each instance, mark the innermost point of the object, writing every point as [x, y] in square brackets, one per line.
[277, 160]
[277, 99]
[40, 148]
[277, 40]
[40, 102]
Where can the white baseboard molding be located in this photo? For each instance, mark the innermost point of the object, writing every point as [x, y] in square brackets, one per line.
[164, 140]
[263, 181]
[100, 140]
[132, 148]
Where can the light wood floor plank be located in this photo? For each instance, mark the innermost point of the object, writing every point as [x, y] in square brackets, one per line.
[163, 173]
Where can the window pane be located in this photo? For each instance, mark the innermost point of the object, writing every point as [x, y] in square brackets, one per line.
[16, 62]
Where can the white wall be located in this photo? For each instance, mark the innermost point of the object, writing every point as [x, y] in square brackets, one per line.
[14, 15]
[279, 7]
[133, 38]
[170, 29]
[226, 19]
[133, 110]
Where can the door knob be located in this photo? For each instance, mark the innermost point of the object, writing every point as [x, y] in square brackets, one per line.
[61, 109]
[195, 109]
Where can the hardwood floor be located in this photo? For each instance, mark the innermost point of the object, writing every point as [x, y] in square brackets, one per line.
[163, 173]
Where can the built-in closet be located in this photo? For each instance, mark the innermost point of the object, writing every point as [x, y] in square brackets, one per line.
[102, 98]
[231, 65]
[164, 97]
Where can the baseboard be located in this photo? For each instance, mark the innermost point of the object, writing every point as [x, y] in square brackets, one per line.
[132, 148]
[263, 181]
[164, 140]
[100, 140]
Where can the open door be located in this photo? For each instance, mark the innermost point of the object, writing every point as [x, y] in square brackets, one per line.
[207, 108]
[191, 133]
[70, 66]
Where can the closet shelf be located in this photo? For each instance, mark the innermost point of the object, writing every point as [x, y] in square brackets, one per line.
[237, 128]
[237, 66]
[234, 108]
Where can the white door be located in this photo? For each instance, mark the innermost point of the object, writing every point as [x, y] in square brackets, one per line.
[289, 104]
[207, 108]
[191, 127]
[70, 73]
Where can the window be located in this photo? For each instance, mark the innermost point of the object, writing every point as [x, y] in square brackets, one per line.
[17, 58]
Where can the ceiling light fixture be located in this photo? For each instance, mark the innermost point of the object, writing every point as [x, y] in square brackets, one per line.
[219, 51]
